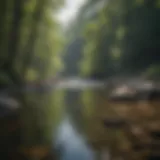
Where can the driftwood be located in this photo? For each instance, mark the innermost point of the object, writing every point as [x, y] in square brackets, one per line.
[128, 92]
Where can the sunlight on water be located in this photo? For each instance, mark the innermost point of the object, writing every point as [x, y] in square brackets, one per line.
[71, 144]
[79, 84]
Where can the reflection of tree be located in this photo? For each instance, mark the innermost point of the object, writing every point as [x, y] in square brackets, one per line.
[89, 104]
[41, 117]
[29, 33]
[74, 107]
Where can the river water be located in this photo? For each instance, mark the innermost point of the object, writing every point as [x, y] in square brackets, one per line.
[71, 141]
[81, 133]
[70, 121]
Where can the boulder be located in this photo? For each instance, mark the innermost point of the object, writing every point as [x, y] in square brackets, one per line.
[122, 93]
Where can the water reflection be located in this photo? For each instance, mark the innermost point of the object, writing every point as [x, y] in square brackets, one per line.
[87, 110]
[76, 118]
[70, 144]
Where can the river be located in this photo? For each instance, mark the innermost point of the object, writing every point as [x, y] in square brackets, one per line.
[71, 141]
[78, 123]
[82, 132]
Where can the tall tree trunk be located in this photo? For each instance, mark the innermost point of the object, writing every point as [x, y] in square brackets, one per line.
[3, 13]
[30, 46]
[14, 39]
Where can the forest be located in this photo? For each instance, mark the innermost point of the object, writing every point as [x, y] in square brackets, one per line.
[107, 38]
[27, 33]
[116, 38]
[31, 42]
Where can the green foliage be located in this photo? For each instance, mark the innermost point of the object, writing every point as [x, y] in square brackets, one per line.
[30, 39]
[152, 72]
[122, 38]
[30, 46]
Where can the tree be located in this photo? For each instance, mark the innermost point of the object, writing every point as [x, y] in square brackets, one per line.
[120, 36]
[30, 46]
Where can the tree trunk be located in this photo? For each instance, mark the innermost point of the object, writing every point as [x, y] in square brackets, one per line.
[30, 46]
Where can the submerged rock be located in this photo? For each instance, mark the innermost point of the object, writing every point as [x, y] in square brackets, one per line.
[114, 123]
[148, 94]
